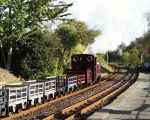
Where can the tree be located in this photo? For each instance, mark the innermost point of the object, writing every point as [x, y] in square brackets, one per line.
[72, 33]
[134, 58]
[39, 58]
[19, 18]
[125, 58]
[85, 36]
[75, 32]
[67, 34]
[142, 44]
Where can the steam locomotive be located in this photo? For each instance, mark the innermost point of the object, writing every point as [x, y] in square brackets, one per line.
[85, 70]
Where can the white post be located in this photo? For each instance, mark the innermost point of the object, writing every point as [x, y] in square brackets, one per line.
[9, 59]
[141, 58]
[107, 58]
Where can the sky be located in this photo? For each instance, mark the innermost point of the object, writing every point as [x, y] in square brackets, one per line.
[119, 20]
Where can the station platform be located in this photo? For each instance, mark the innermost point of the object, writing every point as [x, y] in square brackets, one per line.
[133, 104]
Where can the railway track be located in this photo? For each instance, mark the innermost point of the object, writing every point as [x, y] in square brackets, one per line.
[90, 94]
[110, 76]
[82, 109]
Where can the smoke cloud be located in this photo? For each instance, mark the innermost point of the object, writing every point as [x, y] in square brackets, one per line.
[119, 20]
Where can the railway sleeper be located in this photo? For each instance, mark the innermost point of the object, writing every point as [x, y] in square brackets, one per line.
[65, 102]
[94, 99]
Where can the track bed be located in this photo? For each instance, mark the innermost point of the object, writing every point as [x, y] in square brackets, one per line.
[66, 103]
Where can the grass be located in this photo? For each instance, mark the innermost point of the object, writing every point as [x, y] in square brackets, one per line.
[7, 78]
[104, 65]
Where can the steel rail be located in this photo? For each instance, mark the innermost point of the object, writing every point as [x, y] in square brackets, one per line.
[63, 102]
[84, 112]
[79, 106]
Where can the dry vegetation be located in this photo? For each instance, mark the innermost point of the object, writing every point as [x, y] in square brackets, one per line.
[7, 78]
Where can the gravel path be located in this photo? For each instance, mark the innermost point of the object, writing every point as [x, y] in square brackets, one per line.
[133, 104]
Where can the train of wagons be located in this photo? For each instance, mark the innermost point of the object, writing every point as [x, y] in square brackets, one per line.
[84, 70]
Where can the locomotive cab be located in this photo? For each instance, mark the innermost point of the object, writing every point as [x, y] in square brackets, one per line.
[85, 64]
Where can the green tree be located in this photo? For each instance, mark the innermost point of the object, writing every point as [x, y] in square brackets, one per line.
[85, 35]
[19, 18]
[67, 34]
[125, 58]
[39, 58]
[134, 58]
[73, 33]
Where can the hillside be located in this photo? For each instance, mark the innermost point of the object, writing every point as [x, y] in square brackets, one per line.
[7, 78]
[105, 66]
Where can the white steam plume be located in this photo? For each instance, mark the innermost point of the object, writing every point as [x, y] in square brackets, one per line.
[119, 20]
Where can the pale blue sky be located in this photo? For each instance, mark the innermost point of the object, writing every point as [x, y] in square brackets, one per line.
[119, 20]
